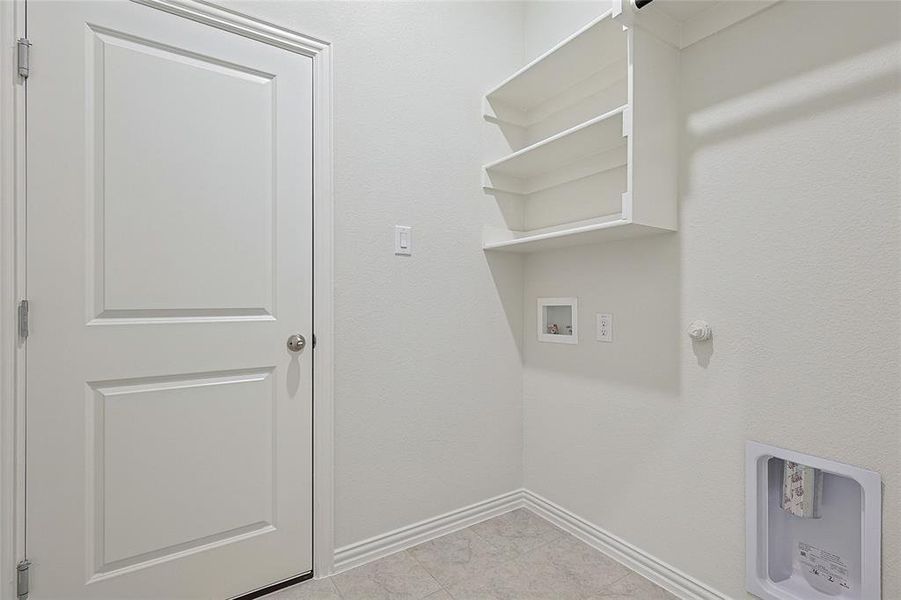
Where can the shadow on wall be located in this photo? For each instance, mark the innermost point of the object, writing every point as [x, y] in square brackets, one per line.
[807, 71]
[506, 270]
[777, 74]
[510, 207]
[782, 141]
[638, 281]
[513, 134]
[703, 351]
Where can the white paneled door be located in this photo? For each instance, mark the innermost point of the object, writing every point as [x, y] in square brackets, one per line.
[169, 247]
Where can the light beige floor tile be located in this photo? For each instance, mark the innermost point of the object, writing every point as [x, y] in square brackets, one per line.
[315, 589]
[513, 581]
[635, 587]
[520, 530]
[569, 564]
[460, 555]
[505, 582]
[395, 577]
[517, 556]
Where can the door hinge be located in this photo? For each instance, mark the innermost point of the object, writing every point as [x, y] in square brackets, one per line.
[314, 340]
[23, 50]
[23, 319]
[23, 570]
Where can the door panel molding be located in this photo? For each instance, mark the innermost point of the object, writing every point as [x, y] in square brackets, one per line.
[13, 259]
[122, 414]
[124, 286]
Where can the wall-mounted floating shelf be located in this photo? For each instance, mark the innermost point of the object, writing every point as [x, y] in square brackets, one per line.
[607, 228]
[592, 59]
[527, 170]
[594, 128]
[684, 23]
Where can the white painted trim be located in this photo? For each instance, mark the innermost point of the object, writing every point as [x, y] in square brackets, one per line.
[12, 256]
[235, 22]
[374, 548]
[323, 317]
[654, 569]
[12, 285]
[682, 34]
[669, 578]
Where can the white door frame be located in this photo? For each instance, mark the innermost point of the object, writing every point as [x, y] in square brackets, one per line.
[12, 272]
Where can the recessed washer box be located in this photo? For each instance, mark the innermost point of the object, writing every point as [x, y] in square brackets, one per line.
[558, 320]
[835, 556]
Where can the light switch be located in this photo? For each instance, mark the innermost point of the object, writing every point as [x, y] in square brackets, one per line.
[605, 327]
[403, 240]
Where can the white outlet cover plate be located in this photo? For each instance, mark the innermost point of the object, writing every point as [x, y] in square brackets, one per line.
[403, 240]
[604, 327]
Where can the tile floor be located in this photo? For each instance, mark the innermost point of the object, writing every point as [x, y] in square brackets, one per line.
[516, 556]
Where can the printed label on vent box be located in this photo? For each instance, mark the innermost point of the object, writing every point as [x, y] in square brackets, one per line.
[824, 564]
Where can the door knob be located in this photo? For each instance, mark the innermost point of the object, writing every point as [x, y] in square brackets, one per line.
[296, 343]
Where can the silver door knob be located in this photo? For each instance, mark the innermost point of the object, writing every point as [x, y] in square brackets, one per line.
[296, 342]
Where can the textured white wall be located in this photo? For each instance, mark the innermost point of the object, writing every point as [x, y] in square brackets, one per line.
[546, 23]
[428, 370]
[789, 245]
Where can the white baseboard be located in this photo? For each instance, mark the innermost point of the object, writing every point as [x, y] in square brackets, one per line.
[662, 574]
[359, 553]
[669, 578]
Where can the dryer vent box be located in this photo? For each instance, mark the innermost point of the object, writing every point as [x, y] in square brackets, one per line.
[834, 555]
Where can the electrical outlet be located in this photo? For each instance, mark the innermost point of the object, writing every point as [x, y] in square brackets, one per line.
[605, 327]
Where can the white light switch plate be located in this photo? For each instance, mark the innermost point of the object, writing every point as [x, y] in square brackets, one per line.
[403, 240]
[604, 327]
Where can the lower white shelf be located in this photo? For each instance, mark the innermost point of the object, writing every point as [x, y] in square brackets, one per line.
[607, 228]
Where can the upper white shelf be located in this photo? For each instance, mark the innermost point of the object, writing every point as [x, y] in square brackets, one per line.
[685, 22]
[604, 98]
[590, 50]
[593, 137]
